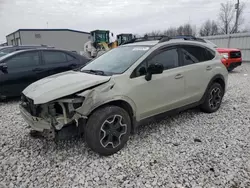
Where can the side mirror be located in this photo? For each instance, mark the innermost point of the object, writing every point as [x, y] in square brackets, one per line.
[153, 69]
[142, 71]
[3, 67]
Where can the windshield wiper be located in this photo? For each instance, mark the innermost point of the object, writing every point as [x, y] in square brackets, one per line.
[98, 72]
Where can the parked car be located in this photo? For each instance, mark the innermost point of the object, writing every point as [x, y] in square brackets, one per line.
[10, 49]
[231, 57]
[124, 87]
[21, 68]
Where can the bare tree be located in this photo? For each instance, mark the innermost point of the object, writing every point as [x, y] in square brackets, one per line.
[180, 30]
[214, 28]
[209, 28]
[186, 29]
[227, 17]
[246, 30]
[154, 33]
[171, 32]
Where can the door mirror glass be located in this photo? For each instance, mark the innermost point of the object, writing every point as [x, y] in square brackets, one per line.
[142, 71]
[153, 69]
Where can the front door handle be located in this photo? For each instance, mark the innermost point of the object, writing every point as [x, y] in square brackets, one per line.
[178, 76]
[209, 68]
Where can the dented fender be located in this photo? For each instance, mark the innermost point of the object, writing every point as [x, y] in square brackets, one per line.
[102, 95]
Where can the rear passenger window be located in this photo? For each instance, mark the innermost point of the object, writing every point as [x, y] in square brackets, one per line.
[52, 57]
[195, 54]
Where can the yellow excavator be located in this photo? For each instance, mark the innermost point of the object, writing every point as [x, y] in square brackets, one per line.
[100, 42]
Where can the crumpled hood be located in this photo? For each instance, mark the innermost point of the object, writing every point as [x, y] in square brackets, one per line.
[60, 85]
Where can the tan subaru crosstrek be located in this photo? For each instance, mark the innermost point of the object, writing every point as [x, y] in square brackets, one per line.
[114, 93]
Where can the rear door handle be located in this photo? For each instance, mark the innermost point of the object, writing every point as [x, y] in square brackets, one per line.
[37, 70]
[178, 76]
[209, 68]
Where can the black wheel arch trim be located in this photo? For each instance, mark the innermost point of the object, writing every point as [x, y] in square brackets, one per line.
[124, 105]
[214, 79]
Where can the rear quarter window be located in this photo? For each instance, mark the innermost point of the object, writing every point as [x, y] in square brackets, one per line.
[196, 54]
[70, 58]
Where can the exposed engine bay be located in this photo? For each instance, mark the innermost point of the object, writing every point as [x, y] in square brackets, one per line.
[67, 113]
[57, 114]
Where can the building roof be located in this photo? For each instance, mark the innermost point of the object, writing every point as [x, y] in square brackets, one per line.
[48, 30]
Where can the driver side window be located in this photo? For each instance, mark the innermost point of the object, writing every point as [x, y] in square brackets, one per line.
[167, 57]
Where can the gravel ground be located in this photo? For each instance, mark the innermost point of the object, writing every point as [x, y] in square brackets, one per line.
[192, 149]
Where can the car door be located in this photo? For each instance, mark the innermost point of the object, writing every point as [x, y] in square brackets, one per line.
[20, 72]
[58, 61]
[164, 91]
[197, 70]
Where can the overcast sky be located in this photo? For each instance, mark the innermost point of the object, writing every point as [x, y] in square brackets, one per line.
[118, 16]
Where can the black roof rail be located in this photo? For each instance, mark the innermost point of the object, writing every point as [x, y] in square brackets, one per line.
[162, 38]
[185, 37]
[145, 38]
[165, 39]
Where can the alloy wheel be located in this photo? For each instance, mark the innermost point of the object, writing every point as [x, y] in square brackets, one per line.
[215, 98]
[112, 131]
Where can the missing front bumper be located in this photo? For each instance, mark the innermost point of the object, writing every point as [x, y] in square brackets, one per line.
[36, 123]
[48, 131]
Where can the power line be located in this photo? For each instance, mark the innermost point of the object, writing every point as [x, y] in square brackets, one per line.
[237, 6]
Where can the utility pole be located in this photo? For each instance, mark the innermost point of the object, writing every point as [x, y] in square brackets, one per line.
[237, 7]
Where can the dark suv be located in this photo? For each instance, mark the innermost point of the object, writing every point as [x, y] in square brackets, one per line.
[21, 68]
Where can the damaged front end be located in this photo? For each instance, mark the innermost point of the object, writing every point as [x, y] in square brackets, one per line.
[55, 119]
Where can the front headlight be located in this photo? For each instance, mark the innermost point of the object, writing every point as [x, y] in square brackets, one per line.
[224, 55]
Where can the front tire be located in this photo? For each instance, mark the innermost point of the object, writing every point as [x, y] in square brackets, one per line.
[108, 130]
[213, 98]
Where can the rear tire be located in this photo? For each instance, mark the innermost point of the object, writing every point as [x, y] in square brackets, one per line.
[213, 98]
[108, 130]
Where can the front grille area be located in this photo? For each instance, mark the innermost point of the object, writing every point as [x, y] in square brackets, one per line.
[236, 54]
[28, 104]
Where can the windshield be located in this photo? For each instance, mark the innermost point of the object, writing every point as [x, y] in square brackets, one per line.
[116, 61]
[2, 54]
